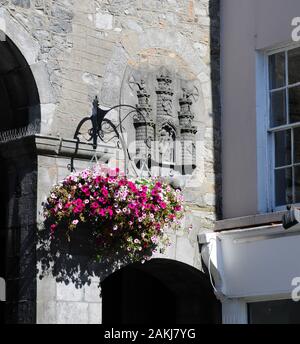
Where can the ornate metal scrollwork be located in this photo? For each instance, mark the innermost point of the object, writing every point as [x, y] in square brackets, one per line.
[102, 126]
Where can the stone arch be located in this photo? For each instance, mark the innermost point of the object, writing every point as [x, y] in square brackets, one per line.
[29, 48]
[19, 101]
[161, 291]
[22, 91]
[131, 52]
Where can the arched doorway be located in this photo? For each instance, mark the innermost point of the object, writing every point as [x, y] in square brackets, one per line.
[19, 100]
[161, 291]
[19, 120]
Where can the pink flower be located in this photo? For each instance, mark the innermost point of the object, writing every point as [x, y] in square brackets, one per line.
[102, 212]
[132, 187]
[75, 222]
[53, 227]
[122, 182]
[94, 205]
[78, 210]
[68, 205]
[78, 202]
[104, 191]
[110, 211]
[86, 191]
[163, 205]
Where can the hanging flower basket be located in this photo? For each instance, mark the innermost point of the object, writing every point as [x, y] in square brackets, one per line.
[108, 214]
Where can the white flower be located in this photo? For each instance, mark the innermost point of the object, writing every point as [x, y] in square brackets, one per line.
[154, 239]
[75, 222]
[115, 228]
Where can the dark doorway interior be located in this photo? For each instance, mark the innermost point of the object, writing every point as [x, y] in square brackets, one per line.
[161, 291]
[19, 118]
[19, 98]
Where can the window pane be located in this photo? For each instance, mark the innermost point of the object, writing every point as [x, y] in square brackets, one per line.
[297, 184]
[278, 108]
[277, 70]
[283, 148]
[294, 66]
[296, 145]
[294, 104]
[283, 186]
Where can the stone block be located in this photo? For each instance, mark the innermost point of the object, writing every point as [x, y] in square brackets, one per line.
[103, 21]
[42, 79]
[95, 313]
[68, 292]
[46, 312]
[92, 293]
[72, 313]
[46, 289]
[21, 3]
[185, 251]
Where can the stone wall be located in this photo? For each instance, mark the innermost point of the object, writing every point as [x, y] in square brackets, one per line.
[80, 49]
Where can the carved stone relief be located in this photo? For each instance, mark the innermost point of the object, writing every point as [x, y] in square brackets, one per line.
[166, 120]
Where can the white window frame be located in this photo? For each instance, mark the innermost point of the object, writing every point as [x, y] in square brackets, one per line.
[265, 139]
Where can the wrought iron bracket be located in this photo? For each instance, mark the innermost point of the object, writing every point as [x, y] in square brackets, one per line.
[96, 132]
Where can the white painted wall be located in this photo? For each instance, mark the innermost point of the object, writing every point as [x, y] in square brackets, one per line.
[247, 27]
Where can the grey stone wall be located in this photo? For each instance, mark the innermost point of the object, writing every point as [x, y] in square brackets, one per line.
[79, 49]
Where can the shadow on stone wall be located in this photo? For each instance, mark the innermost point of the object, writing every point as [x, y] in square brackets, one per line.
[74, 262]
